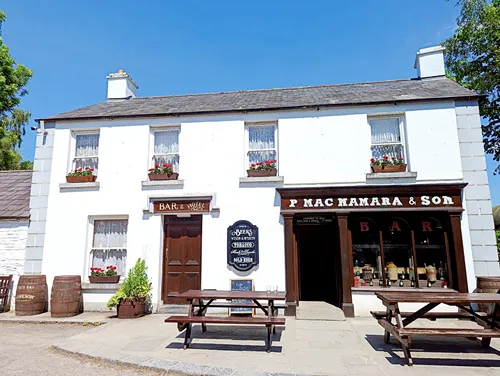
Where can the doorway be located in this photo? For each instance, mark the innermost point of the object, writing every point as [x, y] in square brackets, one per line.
[182, 257]
[319, 269]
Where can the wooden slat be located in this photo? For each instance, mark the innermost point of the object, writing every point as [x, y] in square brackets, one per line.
[220, 294]
[447, 332]
[242, 305]
[411, 296]
[430, 315]
[226, 320]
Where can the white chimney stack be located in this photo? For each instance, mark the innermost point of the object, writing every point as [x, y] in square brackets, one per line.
[121, 86]
[430, 62]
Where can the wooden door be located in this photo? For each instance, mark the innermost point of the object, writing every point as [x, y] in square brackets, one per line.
[182, 257]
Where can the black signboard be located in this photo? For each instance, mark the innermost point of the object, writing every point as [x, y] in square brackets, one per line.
[243, 246]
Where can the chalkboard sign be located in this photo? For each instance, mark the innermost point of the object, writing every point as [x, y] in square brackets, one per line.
[243, 246]
[241, 285]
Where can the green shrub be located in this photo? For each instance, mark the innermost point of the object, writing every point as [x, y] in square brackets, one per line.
[135, 285]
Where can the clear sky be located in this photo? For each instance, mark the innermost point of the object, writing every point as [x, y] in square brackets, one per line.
[188, 46]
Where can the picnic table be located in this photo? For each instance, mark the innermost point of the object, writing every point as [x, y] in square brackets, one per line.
[200, 300]
[391, 300]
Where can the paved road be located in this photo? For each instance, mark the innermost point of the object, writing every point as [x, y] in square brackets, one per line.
[25, 351]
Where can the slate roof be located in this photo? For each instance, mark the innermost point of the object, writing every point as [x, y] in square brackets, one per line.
[382, 92]
[15, 187]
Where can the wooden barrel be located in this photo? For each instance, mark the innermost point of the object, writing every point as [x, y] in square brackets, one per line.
[66, 296]
[490, 285]
[31, 295]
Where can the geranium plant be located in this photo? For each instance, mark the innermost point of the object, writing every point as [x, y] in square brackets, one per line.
[267, 165]
[166, 168]
[386, 161]
[99, 272]
[87, 171]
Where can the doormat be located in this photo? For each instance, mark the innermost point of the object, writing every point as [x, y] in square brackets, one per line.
[320, 311]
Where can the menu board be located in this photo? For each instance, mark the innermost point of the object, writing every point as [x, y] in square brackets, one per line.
[241, 285]
[243, 246]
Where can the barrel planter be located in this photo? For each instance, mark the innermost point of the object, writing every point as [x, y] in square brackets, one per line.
[31, 295]
[488, 285]
[131, 308]
[66, 296]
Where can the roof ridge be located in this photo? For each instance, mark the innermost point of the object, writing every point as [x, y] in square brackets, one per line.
[273, 89]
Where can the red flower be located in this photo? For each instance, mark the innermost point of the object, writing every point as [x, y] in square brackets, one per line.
[268, 163]
[157, 165]
[260, 163]
[386, 157]
[91, 169]
[165, 165]
[168, 165]
[401, 159]
[274, 161]
[151, 169]
[372, 160]
[393, 158]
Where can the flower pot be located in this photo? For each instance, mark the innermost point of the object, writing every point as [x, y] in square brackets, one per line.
[174, 176]
[104, 279]
[389, 168]
[131, 308]
[260, 173]
[81, 179]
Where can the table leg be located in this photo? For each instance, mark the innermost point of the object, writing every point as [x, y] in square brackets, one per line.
[187, 338]
[202, 311]
[272, 313]
[269, 338]
[399, 324]
[486, 342]
[388, 317]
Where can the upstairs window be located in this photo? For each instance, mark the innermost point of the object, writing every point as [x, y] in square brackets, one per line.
[387, 137]
[166, 148]
[261, 144]
[109, 244]
[86, 151]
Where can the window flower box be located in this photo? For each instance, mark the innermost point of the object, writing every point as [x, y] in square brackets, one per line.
[385, 164]
[164, 172]
[81, 176]
[260, 169]
[104, 279]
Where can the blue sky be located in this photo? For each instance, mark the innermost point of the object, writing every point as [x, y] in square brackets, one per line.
[184, 46]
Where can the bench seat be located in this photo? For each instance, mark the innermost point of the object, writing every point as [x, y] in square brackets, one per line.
[186, 322]
[243, 305]
[431, 315]
[448, 332]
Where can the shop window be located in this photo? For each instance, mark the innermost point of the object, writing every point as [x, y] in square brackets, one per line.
[86, 147]
[261, 142]
[166, 147]
[387, 137]
[367, 259]
[109, 244]
[398, 255]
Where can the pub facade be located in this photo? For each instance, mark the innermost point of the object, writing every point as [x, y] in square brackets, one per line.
[324, 226]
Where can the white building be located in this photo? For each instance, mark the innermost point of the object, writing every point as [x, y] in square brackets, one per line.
[14, 221]
[320, 220]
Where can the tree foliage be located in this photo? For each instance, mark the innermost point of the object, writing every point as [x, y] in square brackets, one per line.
[473, 60]
[13, 80]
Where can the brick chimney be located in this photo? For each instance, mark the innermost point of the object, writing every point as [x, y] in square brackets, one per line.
[121, 86]
[430, 62]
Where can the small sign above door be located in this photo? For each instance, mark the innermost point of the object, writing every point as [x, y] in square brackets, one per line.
[243, 246]
[191, 206]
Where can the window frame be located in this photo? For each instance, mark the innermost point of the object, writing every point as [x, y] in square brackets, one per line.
[249, 125]
[90, 240]
[72, 154]
[402, 133]
[152, 154]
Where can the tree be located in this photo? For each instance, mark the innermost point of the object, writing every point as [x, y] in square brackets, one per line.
[13, 80]
[473, 60]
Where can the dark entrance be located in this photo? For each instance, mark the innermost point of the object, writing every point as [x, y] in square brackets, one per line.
[319, 259]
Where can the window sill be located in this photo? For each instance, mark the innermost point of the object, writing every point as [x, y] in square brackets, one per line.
[391, 175]
[272, 180]
[79, 186]
[101, 286]
[162, 183]
[400, 289]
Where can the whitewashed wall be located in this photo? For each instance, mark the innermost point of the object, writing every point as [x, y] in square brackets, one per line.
[13, 237]
[315, 147]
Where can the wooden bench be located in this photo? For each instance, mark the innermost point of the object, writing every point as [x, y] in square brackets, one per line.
[5, 286]
[431, 315]
[189, 320]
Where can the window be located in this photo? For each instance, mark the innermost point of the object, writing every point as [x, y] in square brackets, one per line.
[261, 144]
[387, 137]
[86, 151]
[109, 244]
[166, 147]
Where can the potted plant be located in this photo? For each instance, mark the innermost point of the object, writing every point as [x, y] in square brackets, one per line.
[266, 168]
[131, 297]
[385, 164]
[98, 275]
[81, 175]
[164, 172]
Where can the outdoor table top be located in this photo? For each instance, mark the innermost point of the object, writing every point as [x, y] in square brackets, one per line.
[447, 298]
[228, 294]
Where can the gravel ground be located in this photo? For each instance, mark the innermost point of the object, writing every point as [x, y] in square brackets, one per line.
[25, 350]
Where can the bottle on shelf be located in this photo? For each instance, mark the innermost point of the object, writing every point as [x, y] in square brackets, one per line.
[388, 283]
[380, 282]
[412, 283]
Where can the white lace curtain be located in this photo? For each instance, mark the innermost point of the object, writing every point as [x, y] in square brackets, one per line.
[166, 148]
[109, 244]
[386, 137]
[261, 138]
[86, 151]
